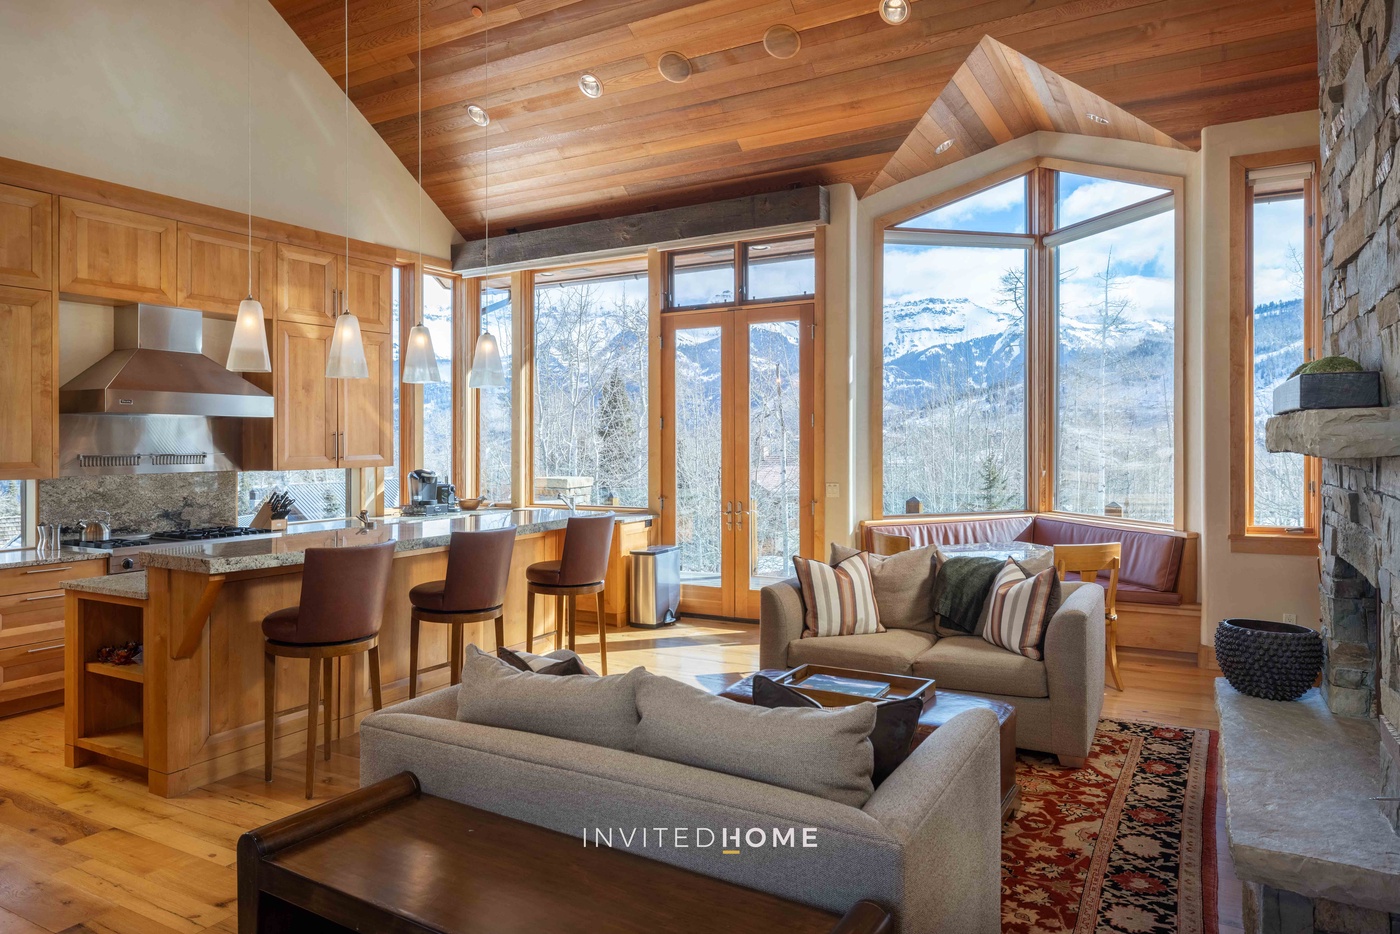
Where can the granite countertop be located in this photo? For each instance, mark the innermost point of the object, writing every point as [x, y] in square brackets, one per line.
[30, 558]
[114, 585]
[231, 556]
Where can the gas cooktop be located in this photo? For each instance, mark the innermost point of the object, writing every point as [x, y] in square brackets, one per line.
[124, 551]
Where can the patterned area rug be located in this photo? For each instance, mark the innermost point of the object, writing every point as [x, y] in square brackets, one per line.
[1125, 845]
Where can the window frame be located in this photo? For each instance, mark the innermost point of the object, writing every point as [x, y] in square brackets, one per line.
[1041, 319]
[1245, 536]
[740, 270]
[28, 517]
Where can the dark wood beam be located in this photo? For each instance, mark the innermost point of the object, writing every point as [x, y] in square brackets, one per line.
[637, 232]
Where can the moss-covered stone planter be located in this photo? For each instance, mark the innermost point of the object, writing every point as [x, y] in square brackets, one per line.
[1261, 658]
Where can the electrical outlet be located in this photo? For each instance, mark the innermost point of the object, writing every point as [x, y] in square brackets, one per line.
[833, 490]
[1291, 619]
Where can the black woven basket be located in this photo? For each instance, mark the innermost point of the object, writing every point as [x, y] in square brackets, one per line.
[1261, 658]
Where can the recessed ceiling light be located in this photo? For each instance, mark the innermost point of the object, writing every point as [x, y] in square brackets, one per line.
[546, 275]
[759, 247]
[590, 85]
[943, 147]
[1096, 118]
[477, 115]
[894, 12]
[674, 67]
[781, 41]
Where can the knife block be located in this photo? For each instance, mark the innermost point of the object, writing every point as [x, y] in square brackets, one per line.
[263, 520]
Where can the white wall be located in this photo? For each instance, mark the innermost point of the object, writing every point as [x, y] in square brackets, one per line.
[153, 94]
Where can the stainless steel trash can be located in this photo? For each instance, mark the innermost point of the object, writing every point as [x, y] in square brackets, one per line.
[656, 587]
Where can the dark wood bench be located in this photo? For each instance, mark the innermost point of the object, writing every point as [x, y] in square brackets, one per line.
[389, 858]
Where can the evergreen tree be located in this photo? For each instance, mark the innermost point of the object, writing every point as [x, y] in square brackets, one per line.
[993, 489]
[617, 430]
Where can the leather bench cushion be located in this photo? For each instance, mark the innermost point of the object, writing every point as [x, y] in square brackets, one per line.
[1151, 560]
[971, 663]
[890, 652]
[962, 532]
[1135, 593]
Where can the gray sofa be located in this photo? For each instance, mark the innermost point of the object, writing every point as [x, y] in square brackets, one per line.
[1057, 701]
[926, 845]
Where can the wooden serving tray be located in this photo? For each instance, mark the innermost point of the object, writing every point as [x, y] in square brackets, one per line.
[901, 686]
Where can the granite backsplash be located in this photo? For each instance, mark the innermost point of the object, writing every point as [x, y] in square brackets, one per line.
[143, 502]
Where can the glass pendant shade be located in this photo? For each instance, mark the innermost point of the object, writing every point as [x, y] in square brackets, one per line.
[486, 371]
[420, 360]
[347, 356]
[247, 353]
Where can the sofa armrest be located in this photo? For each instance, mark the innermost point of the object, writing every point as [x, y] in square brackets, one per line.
[440, 704]
[943, 805]
[1074, 657]
[780, 621]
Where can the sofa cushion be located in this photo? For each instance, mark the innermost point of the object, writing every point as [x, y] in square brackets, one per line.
[971, 663]
[1136, 593]
[597, 711]
[839, 599]
[903, 585]
[1151, 560]
[826, 753]
[960, 532]
[890, 652]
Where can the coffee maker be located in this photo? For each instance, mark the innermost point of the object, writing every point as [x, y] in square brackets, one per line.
[425, 495]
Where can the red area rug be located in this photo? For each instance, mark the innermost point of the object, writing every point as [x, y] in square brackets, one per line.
[1125, 845]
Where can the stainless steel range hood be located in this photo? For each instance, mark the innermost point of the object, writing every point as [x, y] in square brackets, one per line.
[157, 369]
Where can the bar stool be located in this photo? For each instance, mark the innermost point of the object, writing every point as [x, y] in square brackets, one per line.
[578, 572]
[478, 567]
[342, 606]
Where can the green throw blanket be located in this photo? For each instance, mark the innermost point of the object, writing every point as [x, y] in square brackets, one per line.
[961, 588]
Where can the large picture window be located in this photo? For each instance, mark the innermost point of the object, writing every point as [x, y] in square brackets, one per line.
[437, 396]
[493, 406]
[1028, 352]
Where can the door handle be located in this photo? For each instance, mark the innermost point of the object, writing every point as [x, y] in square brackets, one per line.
[728, 515]
[739, 514]
[43, 648]
[341, 450]
[52, 596]
[335, 446]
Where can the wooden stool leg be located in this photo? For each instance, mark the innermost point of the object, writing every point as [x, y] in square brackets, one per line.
[529, 620]
[326, 665]
[572, 617]
[602, 633]
[500, 631]
[312, 702]
[1112, 646]
[454, 664]
[269, 711]
[413, 657]
[561, 622]
[374, 689]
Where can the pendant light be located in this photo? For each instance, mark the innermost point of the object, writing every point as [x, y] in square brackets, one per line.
[247, 352]
[420, 359]
[486, 371]
[347, 357]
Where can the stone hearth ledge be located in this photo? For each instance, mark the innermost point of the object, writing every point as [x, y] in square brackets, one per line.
[1341, 434]
[1298, 783]
[131, 585]
[232, 556]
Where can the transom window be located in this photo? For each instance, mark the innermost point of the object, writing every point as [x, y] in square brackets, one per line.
[1029, 350]
[746, 272]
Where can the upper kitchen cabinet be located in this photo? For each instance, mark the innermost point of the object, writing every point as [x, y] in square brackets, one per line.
[371, 292]
[214, 270]
[28, 371]
[307, 285]
[367, 408]
[307, 423]
[26, 238]
[113, 254]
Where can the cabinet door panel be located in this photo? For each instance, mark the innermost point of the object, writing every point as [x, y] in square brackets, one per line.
[371, 292]
[106, 252]
[306, 400]
[27, 618]
[367, 408]
[26, 238]
[306, 284]
[214, 270]
[28, 368]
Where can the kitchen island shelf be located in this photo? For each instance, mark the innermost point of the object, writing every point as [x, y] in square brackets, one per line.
[126, 744]
[135, 673]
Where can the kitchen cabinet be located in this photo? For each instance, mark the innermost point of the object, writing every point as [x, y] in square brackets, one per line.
[325, 423]
[113, 254]
[312, 288]
[28, 377]
[32, 634]
[214, 270]
[26, 238]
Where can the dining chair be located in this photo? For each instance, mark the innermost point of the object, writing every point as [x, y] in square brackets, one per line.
[887, 543]
[1090, 562]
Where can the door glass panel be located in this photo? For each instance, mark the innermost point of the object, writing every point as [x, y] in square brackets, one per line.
[699, 454]
[774, 519]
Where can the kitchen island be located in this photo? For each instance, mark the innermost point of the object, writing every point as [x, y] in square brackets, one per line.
[191, 712]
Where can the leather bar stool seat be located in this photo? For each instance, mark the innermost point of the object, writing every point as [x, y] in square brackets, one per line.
[474, 591]
[341, 609]
[578, 572]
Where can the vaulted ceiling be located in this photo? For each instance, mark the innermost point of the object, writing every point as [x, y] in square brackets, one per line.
[746, 122]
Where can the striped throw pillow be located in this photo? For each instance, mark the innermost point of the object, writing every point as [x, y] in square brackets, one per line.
[840, 600]
[1020, 607]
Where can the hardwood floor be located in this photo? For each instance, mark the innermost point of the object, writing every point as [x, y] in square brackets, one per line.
[88, 851]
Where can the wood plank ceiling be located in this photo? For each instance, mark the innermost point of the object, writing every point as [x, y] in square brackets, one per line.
[746, 122]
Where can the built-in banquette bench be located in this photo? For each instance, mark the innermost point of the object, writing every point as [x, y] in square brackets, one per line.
[1158, 605]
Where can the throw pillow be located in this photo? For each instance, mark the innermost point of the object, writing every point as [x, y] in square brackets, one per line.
[903, 585]
[597, 711]
[895, 722]
[840, 600]
[562, 662]
[1020, 607]
[825, 753]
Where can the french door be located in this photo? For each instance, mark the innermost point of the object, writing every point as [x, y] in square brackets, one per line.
[736, 451]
